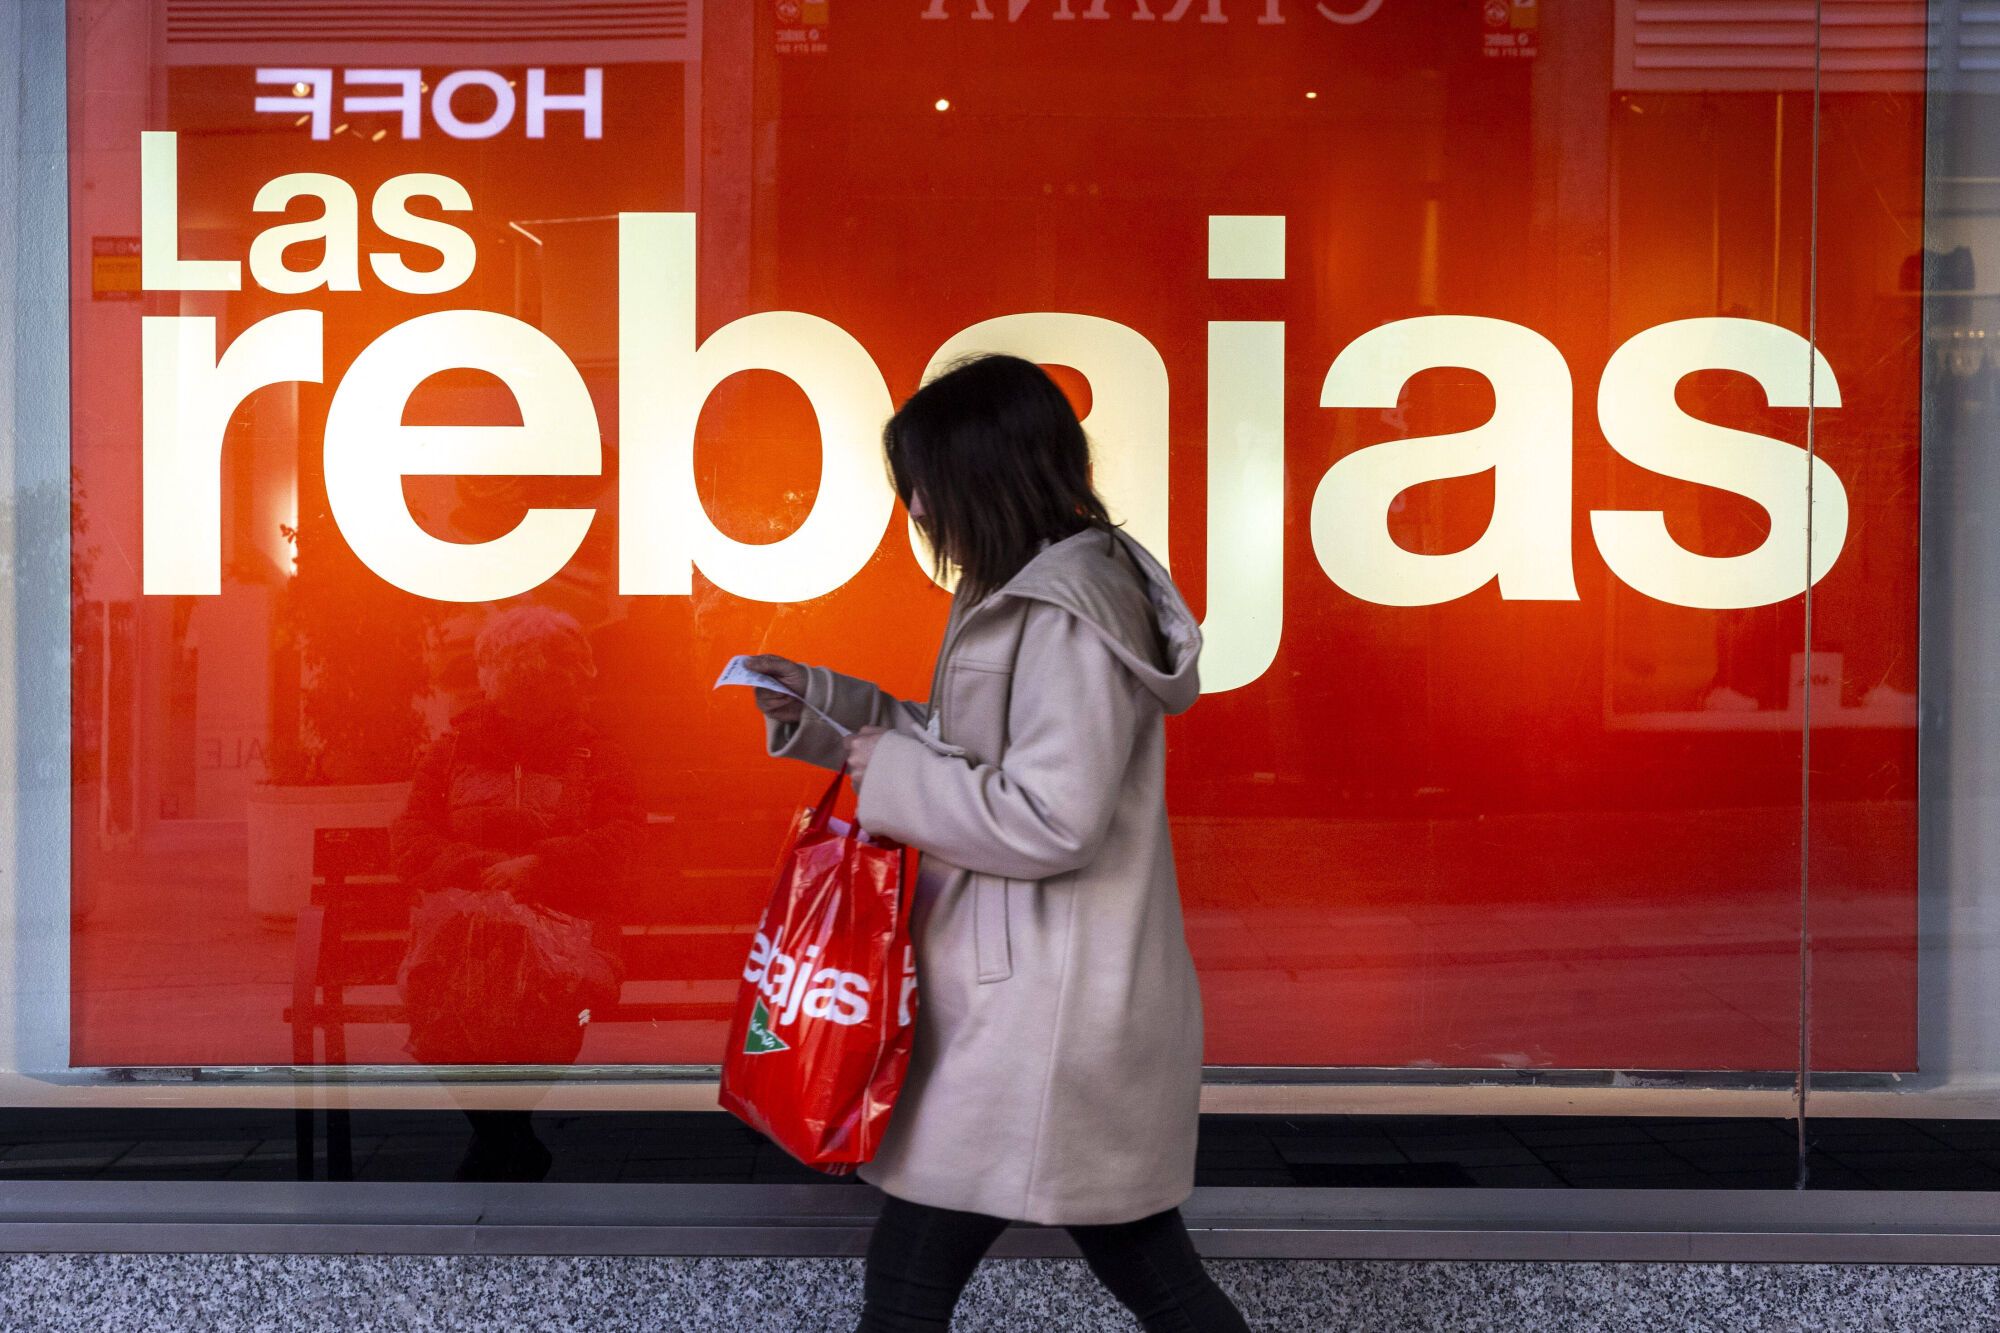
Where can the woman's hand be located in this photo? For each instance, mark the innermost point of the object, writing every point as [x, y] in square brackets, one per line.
[779, 707]
[511, 875]
[860, 749]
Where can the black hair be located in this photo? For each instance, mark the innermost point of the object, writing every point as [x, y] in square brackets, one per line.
[1002, 464]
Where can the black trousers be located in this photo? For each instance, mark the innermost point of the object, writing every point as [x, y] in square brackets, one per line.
[920, 1258]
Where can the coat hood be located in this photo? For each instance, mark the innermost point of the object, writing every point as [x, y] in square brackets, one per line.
[1107, 580]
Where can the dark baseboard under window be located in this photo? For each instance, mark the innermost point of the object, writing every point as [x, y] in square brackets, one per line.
[1393, 1187]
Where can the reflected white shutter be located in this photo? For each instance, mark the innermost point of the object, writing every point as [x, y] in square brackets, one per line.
[454, 34]
[1866, 45]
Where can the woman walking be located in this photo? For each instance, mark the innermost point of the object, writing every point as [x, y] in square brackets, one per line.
[1056, 1071]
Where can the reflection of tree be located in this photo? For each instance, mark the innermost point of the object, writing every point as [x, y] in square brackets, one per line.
[47, 523]
[360, 645]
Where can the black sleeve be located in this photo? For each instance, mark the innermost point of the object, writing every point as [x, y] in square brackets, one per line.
[422, 848]
[584, 871]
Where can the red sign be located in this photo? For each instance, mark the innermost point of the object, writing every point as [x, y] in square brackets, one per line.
[1469, 400]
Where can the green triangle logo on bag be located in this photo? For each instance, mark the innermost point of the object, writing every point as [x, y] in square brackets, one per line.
[760, 1040]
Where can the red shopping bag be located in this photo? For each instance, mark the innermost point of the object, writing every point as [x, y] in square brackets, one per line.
[821, 1036]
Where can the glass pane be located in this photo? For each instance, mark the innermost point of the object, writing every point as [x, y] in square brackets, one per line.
[1456, 358]
[1913, 255]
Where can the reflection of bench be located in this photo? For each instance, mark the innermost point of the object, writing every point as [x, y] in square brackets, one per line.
[353, 933]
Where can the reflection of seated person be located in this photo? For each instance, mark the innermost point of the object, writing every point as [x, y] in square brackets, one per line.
[522, 821]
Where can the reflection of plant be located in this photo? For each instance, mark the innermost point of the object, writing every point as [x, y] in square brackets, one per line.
[361, 667]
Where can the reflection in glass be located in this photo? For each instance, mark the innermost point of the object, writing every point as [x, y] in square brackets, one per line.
[1513, 823]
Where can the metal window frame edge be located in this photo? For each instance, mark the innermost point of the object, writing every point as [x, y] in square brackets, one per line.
[833, 1221]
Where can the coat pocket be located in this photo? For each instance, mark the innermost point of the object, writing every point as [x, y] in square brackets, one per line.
[991, 935]
[973, 707]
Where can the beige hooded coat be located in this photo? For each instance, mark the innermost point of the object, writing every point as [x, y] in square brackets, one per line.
[1056, 1071]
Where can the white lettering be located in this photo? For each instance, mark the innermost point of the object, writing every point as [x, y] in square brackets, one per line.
[407, 101]
[1643, 422]
[1245, 603]
[837, 995]
[937, 10]
[1212, 11]
[777, 982]
[448, 119]
[187, 397]
[850, 1004]
[1525, 444]
[906, 997]
[309, 100]
[311, 96]
[1361, 14]
[664, 534]
[392, 215]
[161, 269]
[190, 393]
[338, 228]
[1244, 613]
[790, 1003]
[369, 451]
[760, 958]
[794, 988]
[590, 102]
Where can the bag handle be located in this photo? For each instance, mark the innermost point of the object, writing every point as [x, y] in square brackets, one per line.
[906, 857]
[823, 811]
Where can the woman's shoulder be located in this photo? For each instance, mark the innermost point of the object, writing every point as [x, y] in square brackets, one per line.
[1091, 573]
[1095, 558]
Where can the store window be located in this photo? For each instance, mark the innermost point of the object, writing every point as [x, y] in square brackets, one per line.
[1541, 404]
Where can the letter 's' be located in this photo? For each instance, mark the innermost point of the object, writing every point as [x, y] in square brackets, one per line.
[1642, 421]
